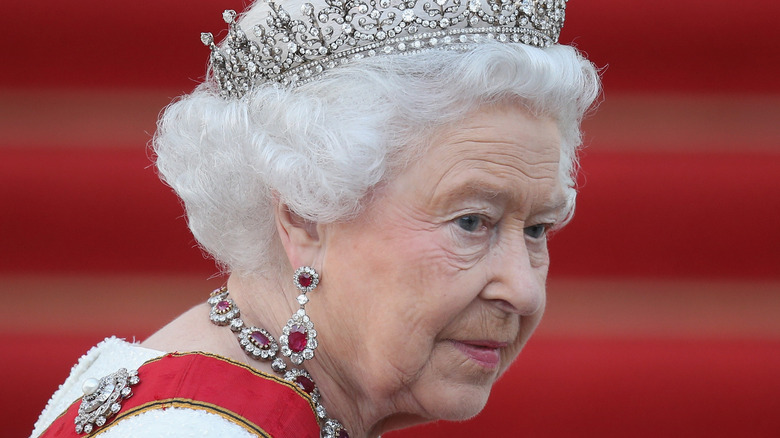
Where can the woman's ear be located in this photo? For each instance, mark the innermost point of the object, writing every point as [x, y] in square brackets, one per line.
[300, 237]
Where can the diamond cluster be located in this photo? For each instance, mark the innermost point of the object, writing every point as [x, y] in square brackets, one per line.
[103, 399]
[257, 342]
[299, 338]
[223, 309]
[295, 49]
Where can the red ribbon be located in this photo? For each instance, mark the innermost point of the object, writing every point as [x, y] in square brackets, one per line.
[263, 404]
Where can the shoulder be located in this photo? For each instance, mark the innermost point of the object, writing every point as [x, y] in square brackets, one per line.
[103, 359]
[175, 394]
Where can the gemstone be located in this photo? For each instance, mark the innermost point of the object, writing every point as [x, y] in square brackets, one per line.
[305, 383]
[297, 339]
[304, 279]
[90, 386]
[278, 365]
[223, 306]
[259, 338]
[229, 16]
[343, 434]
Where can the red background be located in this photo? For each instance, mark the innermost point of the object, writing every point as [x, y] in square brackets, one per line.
[678, 210]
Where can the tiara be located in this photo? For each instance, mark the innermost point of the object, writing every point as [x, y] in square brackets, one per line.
[292, 50]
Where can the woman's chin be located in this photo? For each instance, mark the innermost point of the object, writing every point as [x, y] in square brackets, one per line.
[458, 404]
[464, 410]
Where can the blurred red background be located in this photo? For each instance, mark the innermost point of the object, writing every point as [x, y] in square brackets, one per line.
[664, 298]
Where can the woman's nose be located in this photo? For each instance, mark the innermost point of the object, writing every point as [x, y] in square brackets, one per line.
[515, 279]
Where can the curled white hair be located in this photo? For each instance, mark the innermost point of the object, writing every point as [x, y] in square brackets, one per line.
[322, 147]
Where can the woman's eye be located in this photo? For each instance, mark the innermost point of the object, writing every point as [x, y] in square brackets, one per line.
[470, 223]
[535, 231]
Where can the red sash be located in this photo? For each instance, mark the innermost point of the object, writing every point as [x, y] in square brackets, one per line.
[262, 404]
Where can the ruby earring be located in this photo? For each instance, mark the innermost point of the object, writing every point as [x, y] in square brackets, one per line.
[299, 339]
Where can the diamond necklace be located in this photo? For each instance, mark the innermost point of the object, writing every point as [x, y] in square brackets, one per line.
[258, 344]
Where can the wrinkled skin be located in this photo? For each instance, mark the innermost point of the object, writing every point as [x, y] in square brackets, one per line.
[430, 294]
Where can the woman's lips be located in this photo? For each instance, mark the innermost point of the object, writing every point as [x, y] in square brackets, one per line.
[485, 353]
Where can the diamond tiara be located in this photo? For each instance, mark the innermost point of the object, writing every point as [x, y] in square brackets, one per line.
[292, 50]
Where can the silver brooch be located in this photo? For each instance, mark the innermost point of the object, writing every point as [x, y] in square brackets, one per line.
[103, 399]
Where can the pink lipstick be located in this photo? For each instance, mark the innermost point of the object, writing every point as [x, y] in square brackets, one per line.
[485, 353]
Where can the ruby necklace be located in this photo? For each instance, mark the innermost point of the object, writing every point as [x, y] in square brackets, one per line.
[299, 342]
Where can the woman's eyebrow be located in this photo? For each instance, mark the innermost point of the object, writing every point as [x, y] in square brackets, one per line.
[473, 189]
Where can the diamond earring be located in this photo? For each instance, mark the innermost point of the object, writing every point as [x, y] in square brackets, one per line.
[299, 339]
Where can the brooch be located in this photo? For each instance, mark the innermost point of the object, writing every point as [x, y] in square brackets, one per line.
[103, 399]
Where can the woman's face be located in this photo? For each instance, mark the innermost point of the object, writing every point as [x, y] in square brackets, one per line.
[429, 295]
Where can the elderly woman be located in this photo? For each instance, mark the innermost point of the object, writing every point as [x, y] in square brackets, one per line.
[378, 179]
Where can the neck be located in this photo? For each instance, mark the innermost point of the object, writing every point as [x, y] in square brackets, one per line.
[264, 302]
[359, 412]
[268, 303]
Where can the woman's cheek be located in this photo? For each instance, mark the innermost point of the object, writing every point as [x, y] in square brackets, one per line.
[463, 252]
[538, 254]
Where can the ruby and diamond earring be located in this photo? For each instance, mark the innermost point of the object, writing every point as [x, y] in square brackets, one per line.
[298, 342]
[299, 338]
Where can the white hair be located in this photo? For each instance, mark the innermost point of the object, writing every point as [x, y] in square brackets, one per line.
[320, 148]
